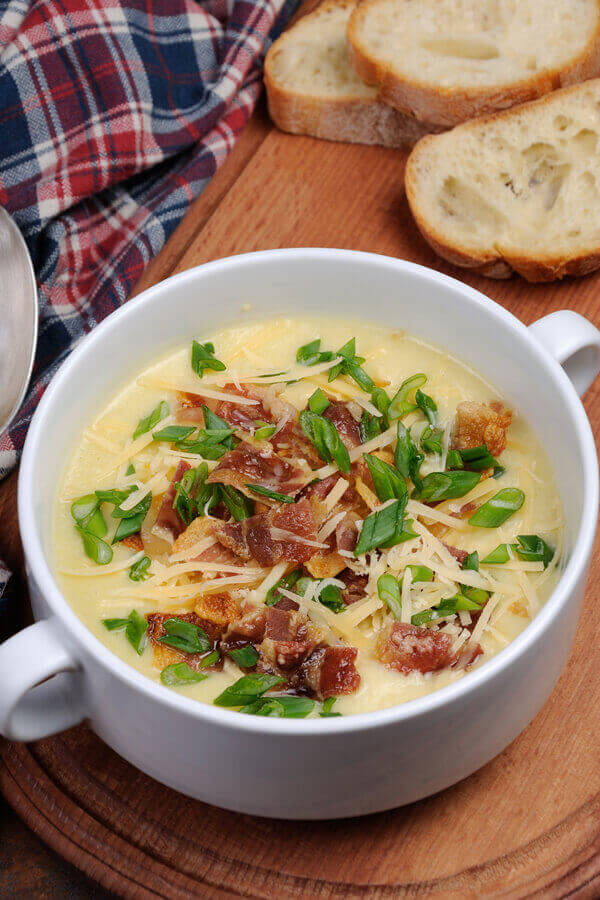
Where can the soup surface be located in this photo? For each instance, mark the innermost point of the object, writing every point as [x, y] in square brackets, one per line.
[307, 517]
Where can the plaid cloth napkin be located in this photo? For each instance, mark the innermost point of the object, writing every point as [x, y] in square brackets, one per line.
[114, 115]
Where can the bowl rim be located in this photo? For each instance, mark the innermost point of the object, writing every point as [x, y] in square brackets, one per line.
[38, 566]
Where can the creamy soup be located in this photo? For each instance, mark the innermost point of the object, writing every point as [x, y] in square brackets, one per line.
[307, 517]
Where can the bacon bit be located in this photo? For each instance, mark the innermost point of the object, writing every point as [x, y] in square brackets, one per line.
[327, 565]
[134, 542]
[481, 423]
[460, 555]
[346, 533]
[287, 604]
[165, 656]
[221, 609]
[252, 538]
[169, 524]
[318, 490]
[355, 586]
[347, 427]
[409, 648]
[330, 671]
[263, 467]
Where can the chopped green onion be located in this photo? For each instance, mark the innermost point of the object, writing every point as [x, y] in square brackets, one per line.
[203, 358]
[318, 402]
[370, 427]
[264, 431]
[310, 354]
[214, 422]
[471, 562]
[497, 557]
[389, 591]
[287, 582]
[179, 674]
[427, 405]
[454, 460]
[184, 636]
[246, 657]
[326, 708]
[331, 597]
[173, 433]
[139, 570]
[446, 485]
[132, 519]
[447, 607]
[267, 492]
[381, 401]
[192, 494]
[283, 707]
[388, 481]
[149, 422]
[323, 434]
[239, 506]
[406, 456]
[401, 403]
[84, 509]
[532, 548]
[478, 458]
[500, 508]
[136, 630]
[498, 471]
[383, 528]
[97, 549]
[130, 469]
[477, 595]
[419, 573]
[247, 689]
[431, 440]
[142, 507]
[115, 496]
[135, 627]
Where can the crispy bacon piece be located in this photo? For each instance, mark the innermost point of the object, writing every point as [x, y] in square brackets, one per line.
[262, 467]
[222, 609]
[347, 427]
[169, 524]
[330, 671]
[197, 530]
[253, 538]
[460, 555]
[134, 541]
[346, 533]
[410, 648]
[165, 656]
[355, 586]
[481, 423]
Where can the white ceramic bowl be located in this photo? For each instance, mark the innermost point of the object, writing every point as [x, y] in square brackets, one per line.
[305, 768]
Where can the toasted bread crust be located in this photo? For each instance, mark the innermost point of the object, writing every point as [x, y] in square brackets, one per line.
[351, 119]
[495, 265]
[446, 107]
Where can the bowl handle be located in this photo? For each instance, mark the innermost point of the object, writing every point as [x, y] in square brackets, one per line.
[573, 342]
[40, 688]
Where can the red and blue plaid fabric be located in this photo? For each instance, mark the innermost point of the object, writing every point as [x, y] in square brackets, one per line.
[114, 115]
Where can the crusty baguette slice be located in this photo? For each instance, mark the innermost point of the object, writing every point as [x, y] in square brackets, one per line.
[518, 190]
[312, 88]
[446, 61]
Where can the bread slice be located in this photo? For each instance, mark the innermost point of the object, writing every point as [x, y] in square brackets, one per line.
[518, 190]
[312, 88]
[446, 61]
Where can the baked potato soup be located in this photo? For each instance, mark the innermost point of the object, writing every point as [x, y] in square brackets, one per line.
[307, 517]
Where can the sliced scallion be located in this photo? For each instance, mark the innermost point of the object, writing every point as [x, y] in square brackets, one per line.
[446, 485]
[185, 636]
[247, 689]
[388, 481]
[401, 403]
[246, 657]
[267, 492]
[203, 357]
[151, 421]
[498, 509]
[180, 674]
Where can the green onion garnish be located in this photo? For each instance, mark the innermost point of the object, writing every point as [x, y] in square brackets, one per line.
[419, 573]
[264, 431]
[173, 433]
[318, 402]
[401, 403]
[431, 440]
[180, 674]
[149, 422]
[381, 401]
[323, 434]
[326, 708]
[446, 485]
[97, 549]
[370, 427]
[530, 547]
[500, 508]
[135, 627]
[446, 607]
[246, 657]
[383, 528]
[427, 405]
[331, 597]
[247, 689]
[471, 562]
[184, 636]
[203, 358]
[267, 492]
[287, 582]
[475, 458]
[139, 570]
[283, 707]
[406, 456]
[239, 506]
[388, 481]
[389, 591]
[310, 354]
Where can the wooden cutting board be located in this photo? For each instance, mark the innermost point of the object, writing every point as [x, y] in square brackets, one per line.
[528, 824]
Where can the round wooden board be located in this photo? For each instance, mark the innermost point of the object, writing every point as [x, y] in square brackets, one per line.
[528, 824]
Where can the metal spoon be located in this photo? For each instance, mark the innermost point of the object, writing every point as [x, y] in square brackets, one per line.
[18, 318]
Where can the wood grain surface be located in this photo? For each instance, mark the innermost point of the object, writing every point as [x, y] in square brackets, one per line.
[527, 824]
